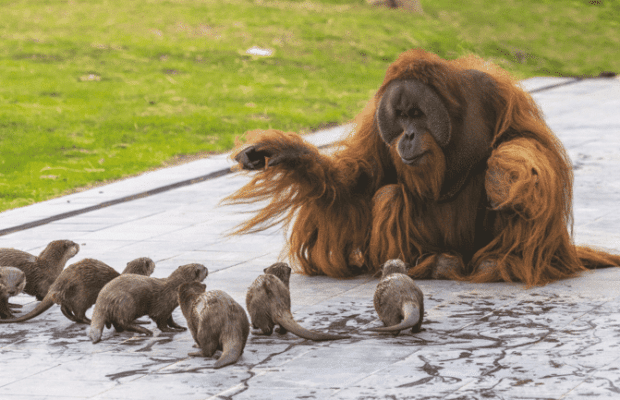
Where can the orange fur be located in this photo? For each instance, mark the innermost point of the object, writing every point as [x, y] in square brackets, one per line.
[511, 221]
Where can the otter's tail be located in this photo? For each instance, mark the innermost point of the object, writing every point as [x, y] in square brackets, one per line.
[593, 258]
[231, 351]
[287, 322]
[411, 318]
[43, 306]
[96, 325]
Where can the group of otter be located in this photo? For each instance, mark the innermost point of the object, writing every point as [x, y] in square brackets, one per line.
[215, 320]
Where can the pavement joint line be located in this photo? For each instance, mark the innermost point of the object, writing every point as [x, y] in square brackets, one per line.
[470, 380]
[102, 392]
[594, 371]
[125, 199]
[29, 376]
[109, 203]
[239, 263]
[19, 341]
[588, 312]
[187, 182]
[576, 386]
[555, 85]
[226, 391]
[373, 373]
[176, 362]
[369, 279]
[169, 365]
[162, 259]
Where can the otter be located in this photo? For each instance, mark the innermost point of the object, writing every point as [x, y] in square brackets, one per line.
[268, 301]
[216, 322]
[77, 287]
[43, 270]
[128, 297]
[398, 300]
[140, 266]
[12, 283]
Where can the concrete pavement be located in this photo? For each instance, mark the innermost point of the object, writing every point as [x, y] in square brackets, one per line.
[500, 340]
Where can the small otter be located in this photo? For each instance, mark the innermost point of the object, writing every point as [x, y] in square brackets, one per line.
[12, 283]
[398, 300]
[43, 270]
[216, 321]
[77, 287]
[268, 301]
[140, 266]
[128, 297]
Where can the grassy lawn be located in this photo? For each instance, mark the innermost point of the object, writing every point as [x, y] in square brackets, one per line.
[96, 90]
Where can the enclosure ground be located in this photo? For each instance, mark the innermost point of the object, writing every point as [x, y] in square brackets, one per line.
[498, 340]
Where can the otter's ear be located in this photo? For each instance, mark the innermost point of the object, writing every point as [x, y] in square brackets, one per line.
[265, 270]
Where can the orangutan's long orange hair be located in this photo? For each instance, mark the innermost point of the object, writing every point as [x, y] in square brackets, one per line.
[350, 212]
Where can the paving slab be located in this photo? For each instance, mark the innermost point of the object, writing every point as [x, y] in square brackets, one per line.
[499, 340]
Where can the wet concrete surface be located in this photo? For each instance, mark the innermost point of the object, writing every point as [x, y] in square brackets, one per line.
[497, 340]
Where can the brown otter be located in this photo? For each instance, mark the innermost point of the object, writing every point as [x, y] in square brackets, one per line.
[78, 285]
[140, 266]
[130, 296]
[12, 283]
[268, 301]
[398, 300]
[216, 321]
[43, 270]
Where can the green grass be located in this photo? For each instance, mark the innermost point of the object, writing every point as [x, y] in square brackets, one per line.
[92, 91]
